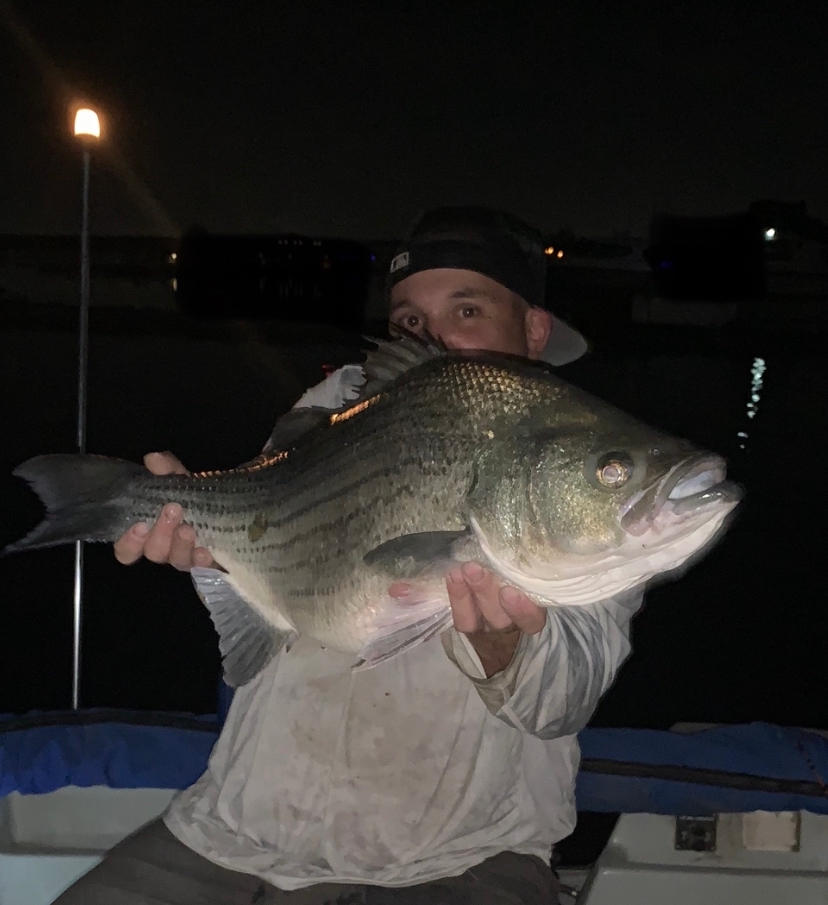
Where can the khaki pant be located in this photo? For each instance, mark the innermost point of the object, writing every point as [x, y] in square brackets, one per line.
[152, 867]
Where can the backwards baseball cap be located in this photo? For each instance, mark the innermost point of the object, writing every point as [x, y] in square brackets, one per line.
[496, 244]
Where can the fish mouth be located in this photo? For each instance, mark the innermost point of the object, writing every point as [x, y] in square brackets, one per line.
[694, 484]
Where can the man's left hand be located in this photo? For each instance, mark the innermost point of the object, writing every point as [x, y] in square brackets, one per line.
[492, 615]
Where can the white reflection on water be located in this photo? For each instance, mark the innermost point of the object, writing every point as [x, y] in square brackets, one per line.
[757, 374]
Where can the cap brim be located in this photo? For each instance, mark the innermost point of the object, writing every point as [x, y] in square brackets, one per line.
[565, 344]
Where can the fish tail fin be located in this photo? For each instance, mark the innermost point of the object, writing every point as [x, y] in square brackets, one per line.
[80, 495]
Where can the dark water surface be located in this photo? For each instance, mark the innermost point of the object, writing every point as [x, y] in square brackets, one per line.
[739, 637]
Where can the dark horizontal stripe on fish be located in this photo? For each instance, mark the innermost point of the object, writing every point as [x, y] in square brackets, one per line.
[213, 528]
[322, 527]
[339, 492]
[367, 507]
[202, 504]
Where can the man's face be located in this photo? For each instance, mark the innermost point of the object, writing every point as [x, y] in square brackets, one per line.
[467, 310]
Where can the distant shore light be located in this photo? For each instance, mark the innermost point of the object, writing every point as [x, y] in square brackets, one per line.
[87, 123]
[550, 250]
[770, 234]
[559, 254]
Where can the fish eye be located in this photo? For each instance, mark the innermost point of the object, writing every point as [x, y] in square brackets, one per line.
[613, 470]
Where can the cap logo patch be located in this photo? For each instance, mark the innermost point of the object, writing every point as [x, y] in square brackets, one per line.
[399, 262]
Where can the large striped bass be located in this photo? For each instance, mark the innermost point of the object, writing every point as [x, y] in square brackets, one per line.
[444, 456]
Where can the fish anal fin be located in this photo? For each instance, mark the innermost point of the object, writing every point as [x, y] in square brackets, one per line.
[247, 640]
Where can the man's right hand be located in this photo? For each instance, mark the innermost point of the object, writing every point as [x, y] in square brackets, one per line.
[168, 540]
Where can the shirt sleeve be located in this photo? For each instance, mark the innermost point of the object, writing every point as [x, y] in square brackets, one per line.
[556, 677]
[334, 392]
[337, 389]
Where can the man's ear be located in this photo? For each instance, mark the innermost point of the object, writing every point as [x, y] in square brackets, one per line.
[538, 323]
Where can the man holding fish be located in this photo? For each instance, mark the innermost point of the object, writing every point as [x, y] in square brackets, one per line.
[465, 309]
[445, 773]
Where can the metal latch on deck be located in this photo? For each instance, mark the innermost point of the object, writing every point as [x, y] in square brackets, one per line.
[696, 834]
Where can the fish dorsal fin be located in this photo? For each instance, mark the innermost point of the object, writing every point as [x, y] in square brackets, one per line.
[293, 425]
[335, 394]
[353, 385]
[358, 386]
[247, 641]
[393, 357]
[404, 351]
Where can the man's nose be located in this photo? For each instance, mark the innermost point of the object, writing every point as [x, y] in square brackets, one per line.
[439, 331]
[443, 337]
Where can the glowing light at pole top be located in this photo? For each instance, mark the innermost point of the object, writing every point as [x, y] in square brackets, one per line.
[87, 123]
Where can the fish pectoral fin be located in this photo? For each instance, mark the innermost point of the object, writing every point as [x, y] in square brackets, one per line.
[407, 555]
[247, 641]
[413, 615]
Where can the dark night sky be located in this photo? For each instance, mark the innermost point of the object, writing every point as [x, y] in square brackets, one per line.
[347, 118]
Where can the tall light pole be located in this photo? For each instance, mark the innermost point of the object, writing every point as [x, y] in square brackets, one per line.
[87, 131]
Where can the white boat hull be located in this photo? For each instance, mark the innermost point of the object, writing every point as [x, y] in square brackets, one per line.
[48, 841]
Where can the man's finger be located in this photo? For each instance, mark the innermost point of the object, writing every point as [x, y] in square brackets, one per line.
[524, 612]
[203, 557]
[184, 554]
[162, 463]
[159, 541]
[463, 607]
[182, 548]
[485, 587]
[129, 548]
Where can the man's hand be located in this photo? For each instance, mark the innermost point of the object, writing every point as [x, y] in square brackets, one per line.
[492, 615]
[168, 540]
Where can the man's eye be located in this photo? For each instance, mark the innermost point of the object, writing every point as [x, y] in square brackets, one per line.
[468, 311]
[410, 322]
